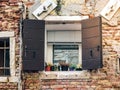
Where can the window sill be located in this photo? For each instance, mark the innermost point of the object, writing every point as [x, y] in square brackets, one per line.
[8, 79]
[65, 75]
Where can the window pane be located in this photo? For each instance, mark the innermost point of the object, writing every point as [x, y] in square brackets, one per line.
[1, 43]
[7, 72]
[4, 42]
[1, 72]
[1, 57]
[4, 57]
[7, 42]
[4, 72]
[66, 53]
[7, 58]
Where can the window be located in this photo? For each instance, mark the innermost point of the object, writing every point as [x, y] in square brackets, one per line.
[64, 49]
[7, 57]
[4, 57]
[87, 52]
[118, 65]
[42, 41]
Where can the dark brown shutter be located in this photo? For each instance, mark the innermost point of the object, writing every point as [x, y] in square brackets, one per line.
[33, 44]
[92, 43]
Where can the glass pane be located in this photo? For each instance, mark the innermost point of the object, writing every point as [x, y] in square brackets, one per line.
[4, 56]
[7, 42]
[4, 42]
[7, 72]
[1, 72]
[66, 53]
[4, 72]
[1, 57]
[7, 58]
[1, 43]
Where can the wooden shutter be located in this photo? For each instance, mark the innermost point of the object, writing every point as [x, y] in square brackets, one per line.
[92, 43]
[33, 44]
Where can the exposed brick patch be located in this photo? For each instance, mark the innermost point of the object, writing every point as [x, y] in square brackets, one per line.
[9, 19]
[31, 81]
[8, 86]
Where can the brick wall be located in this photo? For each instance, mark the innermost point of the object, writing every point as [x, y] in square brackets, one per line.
[8, 86]
[31, 81]
[9, 19]
[106, 78]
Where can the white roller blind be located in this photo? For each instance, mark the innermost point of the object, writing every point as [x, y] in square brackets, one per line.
[64, 36]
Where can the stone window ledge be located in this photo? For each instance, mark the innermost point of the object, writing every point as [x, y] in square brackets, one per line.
[64, 75]
[9, 79]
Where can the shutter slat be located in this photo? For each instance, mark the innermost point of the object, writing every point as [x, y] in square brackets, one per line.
[91, 32]
[36, 44]
[86, 52]
[91, 43]
[95, 64]
[91, 23]
[34, 33]
[33, 24]
[33, 44]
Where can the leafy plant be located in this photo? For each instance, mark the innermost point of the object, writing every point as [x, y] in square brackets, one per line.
[58, 8]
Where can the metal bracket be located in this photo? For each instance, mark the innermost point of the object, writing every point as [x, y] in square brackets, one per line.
[43, 10]
[110, 9]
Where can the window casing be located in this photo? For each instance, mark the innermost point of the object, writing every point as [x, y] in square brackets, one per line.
[88, 36]
[8, 51]
[64, 42]
[118, 65]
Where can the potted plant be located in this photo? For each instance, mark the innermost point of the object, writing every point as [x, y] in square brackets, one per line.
[64, 66]
[72, 67]
[48, 67]
[79, 67]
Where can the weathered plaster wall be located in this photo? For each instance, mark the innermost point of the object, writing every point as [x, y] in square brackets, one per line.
[106, 78]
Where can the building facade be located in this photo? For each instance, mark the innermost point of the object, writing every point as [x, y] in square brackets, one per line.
[78, 39]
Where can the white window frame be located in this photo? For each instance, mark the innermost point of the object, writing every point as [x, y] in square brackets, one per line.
[118, 65]
[75, 26]
[64, 26]
[11, 36]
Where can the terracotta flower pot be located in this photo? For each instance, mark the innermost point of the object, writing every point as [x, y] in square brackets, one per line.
[47, 68]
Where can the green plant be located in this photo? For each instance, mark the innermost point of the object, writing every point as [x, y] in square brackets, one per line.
[72, 67]
[58, 8]
[49, 64]
[79, 66]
